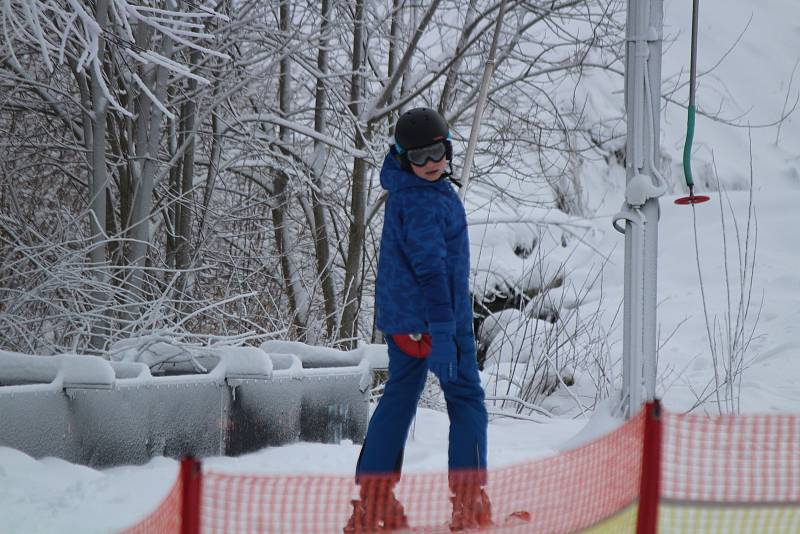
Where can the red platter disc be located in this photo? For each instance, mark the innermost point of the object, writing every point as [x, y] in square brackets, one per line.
[695, 199]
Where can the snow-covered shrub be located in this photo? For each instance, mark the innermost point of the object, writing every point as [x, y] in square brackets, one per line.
[530, 359]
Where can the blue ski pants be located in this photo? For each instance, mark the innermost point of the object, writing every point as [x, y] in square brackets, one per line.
[384, 443]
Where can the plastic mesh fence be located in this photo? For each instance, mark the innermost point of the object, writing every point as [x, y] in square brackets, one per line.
[594, 487]
[730, 474]
[166, 519]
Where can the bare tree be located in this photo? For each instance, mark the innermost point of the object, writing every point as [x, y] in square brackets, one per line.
[230, 156]
[321, 237]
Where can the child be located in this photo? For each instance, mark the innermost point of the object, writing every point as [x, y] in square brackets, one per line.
[423, 306]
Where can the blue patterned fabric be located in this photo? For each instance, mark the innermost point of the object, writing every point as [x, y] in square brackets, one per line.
[423, 267]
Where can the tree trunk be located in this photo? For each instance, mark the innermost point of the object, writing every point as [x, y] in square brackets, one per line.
[184, 221]
[173, 207]
[352, 282]
[148, 137]
[321, 239]
[279, 219]
[449, 84]
[211, 178]
[97, 255]
[394, 36]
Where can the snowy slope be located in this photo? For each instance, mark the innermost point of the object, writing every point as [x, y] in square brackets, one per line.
[748, 80]
[685, 363]
[747, 56]
[747, 53]
[769, 380]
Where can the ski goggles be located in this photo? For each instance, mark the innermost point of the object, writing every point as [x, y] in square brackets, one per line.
[420, 156]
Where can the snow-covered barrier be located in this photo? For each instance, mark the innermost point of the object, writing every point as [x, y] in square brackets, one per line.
[36, 415]
[266, 414]
[334, 406]
[229, 400]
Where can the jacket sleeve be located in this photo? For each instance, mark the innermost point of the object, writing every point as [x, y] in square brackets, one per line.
[424, 244]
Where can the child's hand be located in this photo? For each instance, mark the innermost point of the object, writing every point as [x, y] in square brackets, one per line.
[442, 360]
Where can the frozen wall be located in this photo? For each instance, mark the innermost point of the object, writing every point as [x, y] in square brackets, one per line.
[224, 401]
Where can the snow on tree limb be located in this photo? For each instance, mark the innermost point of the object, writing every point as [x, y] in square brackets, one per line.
[156, 58]
[305, 130]
[207, 12]
[156, 101]
[68, 30]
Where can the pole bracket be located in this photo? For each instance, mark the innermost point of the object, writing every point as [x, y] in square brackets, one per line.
[634, 216]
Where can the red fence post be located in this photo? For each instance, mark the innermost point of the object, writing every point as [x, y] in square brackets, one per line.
[191, 476]
[650, 488]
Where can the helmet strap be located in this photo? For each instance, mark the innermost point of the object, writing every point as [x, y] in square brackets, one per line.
[449, 174]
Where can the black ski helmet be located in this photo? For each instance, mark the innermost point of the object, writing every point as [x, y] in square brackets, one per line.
[420, 127]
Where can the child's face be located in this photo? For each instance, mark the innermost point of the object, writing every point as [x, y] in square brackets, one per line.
[431, 171]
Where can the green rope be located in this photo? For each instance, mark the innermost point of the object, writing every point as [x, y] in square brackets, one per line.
[687, 148]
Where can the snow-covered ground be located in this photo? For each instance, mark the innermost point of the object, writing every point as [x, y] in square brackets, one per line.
[769, 380]
[50, 495]
[685, 362]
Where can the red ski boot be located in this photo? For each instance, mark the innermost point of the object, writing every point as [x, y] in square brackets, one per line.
[378, 510]
[471, 508]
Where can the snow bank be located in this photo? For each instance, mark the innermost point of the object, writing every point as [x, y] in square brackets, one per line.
[314, 357]
[245, 362]
[63, 371]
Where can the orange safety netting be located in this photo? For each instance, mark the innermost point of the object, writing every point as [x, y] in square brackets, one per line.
[731, 459]
[561, 494]
[732, 474]
[166, 518]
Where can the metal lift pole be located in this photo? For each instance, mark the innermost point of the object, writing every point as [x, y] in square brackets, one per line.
[640, 211]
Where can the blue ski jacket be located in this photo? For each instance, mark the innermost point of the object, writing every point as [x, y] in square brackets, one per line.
[423, 266]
